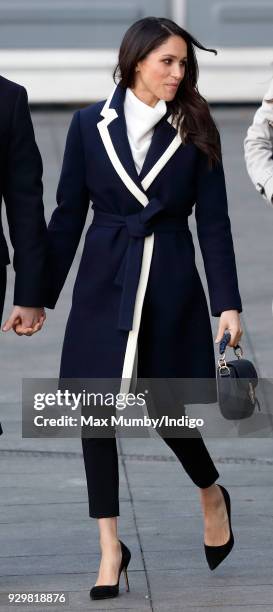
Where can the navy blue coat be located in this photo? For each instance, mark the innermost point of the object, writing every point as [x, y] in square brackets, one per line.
[138, 292]
[21, 187]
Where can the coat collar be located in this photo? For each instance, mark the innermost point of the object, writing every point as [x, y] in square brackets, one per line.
[165, 141]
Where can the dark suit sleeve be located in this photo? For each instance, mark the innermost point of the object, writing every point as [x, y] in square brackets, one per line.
[215, 237]
[68, 219]
[23, 193]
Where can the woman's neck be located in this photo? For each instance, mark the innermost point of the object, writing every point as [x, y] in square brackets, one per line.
[145, 96]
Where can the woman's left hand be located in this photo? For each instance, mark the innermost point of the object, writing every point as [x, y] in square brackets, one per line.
[230, 320]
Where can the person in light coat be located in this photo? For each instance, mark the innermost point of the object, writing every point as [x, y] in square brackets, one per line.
[258, 147]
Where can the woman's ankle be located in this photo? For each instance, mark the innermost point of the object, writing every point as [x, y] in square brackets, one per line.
[211, 491]
[110, 543]
[108, 536]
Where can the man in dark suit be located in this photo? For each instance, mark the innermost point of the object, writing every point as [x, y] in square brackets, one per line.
[21, 187]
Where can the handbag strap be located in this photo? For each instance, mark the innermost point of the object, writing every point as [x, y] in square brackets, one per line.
[223, 345]
[224, 342]
[223, 367]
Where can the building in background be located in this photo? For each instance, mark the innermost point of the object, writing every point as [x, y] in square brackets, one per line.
[65, 50]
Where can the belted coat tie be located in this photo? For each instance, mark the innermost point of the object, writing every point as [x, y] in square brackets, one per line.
[138, 291]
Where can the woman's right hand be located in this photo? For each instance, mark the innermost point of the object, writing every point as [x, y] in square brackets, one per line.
[25, 321]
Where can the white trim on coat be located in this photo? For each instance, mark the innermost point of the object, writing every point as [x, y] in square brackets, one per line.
[109, 115]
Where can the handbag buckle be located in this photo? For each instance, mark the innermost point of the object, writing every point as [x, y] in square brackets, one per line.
[254, 400]
[252, 393]
[223, 366]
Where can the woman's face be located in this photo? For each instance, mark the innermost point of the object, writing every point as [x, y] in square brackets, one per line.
[158, 76]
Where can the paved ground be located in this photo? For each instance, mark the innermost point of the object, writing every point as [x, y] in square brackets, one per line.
[48, 542]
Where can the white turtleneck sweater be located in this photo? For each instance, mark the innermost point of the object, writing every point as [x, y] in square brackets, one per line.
[140, 121]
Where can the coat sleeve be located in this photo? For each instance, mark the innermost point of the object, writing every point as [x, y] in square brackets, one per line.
[258, 147]
[68, 219]
[23, 195]
[215, 238]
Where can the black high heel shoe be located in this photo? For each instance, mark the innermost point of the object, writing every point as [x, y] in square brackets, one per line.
[216, 554]
[112, 590]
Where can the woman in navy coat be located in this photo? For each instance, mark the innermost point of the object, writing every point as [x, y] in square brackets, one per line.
[138, 303]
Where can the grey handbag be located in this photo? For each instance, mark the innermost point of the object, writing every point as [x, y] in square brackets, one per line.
[236, 383]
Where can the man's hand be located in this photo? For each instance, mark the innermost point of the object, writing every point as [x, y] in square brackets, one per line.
[230, 320]
[25, 321]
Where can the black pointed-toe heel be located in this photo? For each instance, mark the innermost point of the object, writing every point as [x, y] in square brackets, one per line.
[105, 591]
[216, 554]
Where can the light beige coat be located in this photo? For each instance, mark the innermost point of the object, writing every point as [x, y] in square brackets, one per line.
[258, 147]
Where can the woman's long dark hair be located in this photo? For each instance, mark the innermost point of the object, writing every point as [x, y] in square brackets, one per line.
[198, 125]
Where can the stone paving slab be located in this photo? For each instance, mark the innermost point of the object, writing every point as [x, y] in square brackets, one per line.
[78, 586]
[174, 588]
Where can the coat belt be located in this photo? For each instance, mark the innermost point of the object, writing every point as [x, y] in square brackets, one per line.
[151, 218]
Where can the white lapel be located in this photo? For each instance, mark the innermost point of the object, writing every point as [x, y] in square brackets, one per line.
[109, 115]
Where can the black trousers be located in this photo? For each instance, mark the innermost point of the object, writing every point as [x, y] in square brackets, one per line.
[102, 472]
[3, 282]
